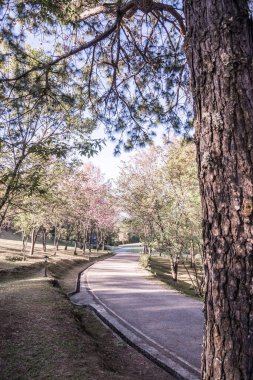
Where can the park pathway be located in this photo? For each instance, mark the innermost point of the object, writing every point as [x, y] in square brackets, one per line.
[163, 323]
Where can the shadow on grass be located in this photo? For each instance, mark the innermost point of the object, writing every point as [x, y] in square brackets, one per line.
[160, 268]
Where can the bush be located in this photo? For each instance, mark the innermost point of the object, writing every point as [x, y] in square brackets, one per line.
[14, 258]
[145, 260]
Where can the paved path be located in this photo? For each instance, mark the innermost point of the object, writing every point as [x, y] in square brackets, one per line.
[158, 320]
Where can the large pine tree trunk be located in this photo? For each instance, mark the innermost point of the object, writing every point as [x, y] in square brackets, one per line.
[220, 55]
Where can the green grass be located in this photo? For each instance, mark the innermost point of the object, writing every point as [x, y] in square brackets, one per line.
[131, 248]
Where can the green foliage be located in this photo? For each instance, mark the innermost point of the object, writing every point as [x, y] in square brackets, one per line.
[77, 202]
[14, 258]
[132, 80]
[159, 191]
[145, 261]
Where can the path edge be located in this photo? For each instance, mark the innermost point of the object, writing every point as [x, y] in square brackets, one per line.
[174, 369]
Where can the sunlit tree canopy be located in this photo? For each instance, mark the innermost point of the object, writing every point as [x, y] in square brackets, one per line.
[122, 63]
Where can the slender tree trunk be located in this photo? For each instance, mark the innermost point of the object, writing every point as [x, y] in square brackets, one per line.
[44, 240]
[192, 262]
[24, 245]
[102, 240]
[11, 189]
[174, 267]
[34, 235]
[84, 238]
[55, 236]
[145, 251]
[84, 244]
[219, 49]
[23, 242]
[97, 239]
[56, 239]
[57, 242]
[90, 242]
[75, 249]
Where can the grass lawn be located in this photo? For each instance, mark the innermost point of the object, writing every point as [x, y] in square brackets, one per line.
[43, 336]
[160, 267]
[130, 248]
[11, 255]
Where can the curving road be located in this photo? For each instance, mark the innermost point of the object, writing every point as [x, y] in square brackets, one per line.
[166, 323]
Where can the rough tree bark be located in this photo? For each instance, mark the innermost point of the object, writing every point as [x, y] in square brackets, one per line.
[220, 54]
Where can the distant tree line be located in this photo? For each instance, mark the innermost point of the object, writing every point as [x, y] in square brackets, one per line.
[73, 204]
[159, 190]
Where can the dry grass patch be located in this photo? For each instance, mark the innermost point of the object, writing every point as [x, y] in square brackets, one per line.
[43, 336]
[160, 267]
[13, 265]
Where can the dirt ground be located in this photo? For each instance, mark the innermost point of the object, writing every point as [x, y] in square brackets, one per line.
[43, 336]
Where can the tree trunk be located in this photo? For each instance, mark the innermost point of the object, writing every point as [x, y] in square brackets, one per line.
[33, 240]
[75, 249]
[11, 188]
[174, 267]
[220, 52]
[44, 240]
[90, 241]
[23, 242]
[55, 236]
[192, 262]
[102, 241]
[85, 235]
[57, 243]
[84, 245]
[24, 245]
[97, 239]
[56, 240]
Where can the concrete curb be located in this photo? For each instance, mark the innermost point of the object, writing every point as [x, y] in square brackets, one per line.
[169, 363]
[77, 290]
[78, 280]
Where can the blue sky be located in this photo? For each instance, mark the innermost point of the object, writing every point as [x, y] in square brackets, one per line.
[108, 163]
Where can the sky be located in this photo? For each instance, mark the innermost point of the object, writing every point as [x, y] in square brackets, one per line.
[108, 163]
